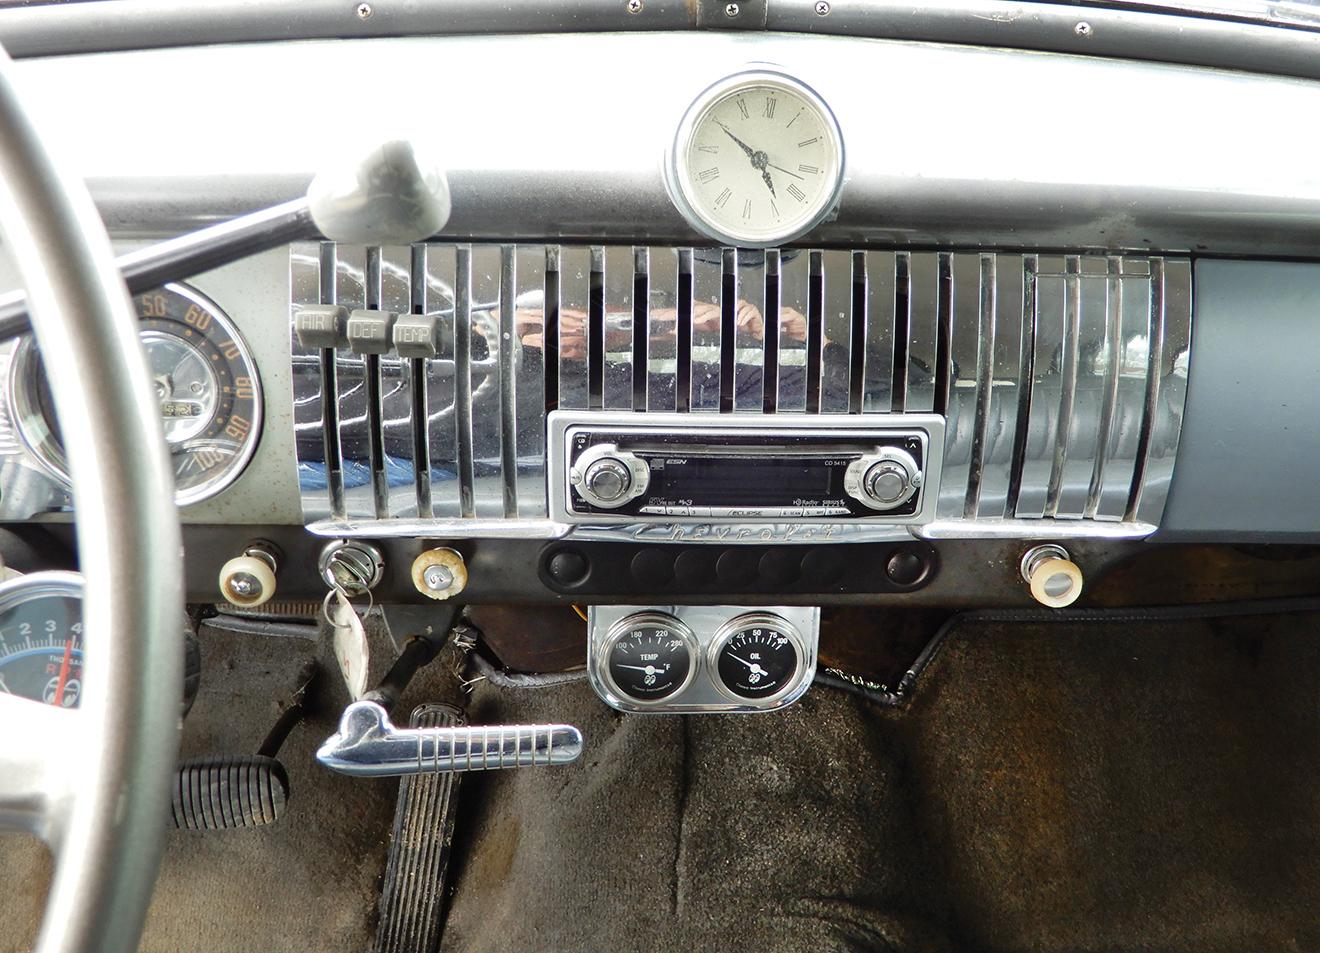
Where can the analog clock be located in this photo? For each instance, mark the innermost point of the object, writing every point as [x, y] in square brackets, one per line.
[757, 161]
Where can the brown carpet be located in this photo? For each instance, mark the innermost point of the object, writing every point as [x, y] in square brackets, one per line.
[1078, 787]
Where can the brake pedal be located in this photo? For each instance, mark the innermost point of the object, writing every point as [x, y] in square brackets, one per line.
[412, 896]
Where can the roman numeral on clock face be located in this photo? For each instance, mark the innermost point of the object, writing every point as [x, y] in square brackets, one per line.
[797, 193]
[723, 198]
[709, 175]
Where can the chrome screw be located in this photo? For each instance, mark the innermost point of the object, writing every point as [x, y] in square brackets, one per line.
[1082, 29]
[364, 11]
[634, 6]
[731, 10]
[438, 578]
[822, 8]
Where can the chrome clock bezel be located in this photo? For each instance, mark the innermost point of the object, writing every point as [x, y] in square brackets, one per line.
[41, 445]
[679, 171]
[794, 686]
[622, 628]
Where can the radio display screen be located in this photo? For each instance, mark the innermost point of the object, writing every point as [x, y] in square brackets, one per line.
[748, 481]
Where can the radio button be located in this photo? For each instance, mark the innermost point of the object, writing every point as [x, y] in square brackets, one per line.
[607, 477]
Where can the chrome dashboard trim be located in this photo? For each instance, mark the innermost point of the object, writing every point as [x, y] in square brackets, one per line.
[1046, 379]
[703, 693]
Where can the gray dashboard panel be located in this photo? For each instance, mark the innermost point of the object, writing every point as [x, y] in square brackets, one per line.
[1250, 451]
[555, 136]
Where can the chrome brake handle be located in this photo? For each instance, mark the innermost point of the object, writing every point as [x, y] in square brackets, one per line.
[369, 745]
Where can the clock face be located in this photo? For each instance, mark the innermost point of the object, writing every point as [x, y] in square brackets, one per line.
[758, 160]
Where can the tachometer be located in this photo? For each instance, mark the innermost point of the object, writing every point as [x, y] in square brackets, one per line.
[206, 384]
[41, 645]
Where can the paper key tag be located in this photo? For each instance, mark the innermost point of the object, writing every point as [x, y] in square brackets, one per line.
[350, 644]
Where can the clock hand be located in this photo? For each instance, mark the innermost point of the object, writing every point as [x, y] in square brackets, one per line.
[769, 184]
[783, 170]
[742, 145]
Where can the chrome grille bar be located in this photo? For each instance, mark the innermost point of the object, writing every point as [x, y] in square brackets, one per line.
[1061, 377]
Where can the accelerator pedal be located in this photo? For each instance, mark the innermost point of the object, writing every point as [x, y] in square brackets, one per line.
[413, 893]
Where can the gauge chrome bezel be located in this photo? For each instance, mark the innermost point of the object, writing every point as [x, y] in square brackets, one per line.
[794, 684]
[39, 441]
[22, 589]
[621, 629]
[678, 170]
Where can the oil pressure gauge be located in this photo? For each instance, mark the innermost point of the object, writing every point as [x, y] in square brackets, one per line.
[757, 657]
[206, 386]
[648, 657]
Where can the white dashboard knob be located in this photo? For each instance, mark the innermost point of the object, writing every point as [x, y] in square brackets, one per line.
[247, 581]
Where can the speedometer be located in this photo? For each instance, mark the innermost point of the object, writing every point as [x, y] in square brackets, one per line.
[41, 643]
[206, 385]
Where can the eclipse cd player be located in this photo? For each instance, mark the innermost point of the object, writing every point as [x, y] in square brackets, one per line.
[609, 467]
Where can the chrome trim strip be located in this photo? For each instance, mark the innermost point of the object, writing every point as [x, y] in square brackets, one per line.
[573, 308]
[794, 285]
[1000, 470]
[923, 332]
[878, 349]
[1169, 356]
[964, 353]
[398, 440]
[1071, 358]
[354, 411]
[987, 303]
[510, 354]
[440, 528]
[837, 326]
[442, 382]
[380, 493]
[662, 339]
[484, 376]
[463, 377]
[619, 279]
[707, 318]
[419, 386]
[750, 333]
[1032, 529]
[313, 433]
[528, 347]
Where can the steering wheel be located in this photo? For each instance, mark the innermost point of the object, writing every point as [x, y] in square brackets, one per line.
[94, 782]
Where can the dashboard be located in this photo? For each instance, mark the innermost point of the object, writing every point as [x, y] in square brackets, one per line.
[652, 358]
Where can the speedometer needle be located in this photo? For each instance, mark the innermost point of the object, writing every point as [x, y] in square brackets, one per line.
[64, 675]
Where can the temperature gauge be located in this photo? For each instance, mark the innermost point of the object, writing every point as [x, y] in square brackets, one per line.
[648, 657]
[757, 657]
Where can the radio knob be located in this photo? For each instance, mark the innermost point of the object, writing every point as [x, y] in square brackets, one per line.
[888, 479]
[606, 482]
[887, 482]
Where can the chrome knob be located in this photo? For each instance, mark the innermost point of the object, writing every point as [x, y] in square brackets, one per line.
[606, 482]
[887, 482]
[607, 477]
[883, 480]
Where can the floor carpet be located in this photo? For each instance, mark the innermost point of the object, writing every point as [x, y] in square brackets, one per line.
[1050, 787]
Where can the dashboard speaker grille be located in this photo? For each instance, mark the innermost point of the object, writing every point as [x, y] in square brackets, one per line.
[1061, 377]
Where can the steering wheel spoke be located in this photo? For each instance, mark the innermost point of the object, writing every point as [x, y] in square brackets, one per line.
[37, 764]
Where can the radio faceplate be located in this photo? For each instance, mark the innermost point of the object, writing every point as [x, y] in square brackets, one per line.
[608, 467]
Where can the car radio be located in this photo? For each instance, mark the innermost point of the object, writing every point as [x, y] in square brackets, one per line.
[609, 467]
